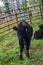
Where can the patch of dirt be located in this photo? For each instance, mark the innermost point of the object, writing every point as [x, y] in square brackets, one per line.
[41, 48]
[10, 46]
[32, 48]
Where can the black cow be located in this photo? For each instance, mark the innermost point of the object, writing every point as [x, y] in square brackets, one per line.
[39, 34]
[24, 32]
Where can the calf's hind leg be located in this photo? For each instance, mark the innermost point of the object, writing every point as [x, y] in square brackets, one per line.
[21, 43]
[27, 48]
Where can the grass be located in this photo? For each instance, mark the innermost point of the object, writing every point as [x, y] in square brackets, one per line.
[9, 50]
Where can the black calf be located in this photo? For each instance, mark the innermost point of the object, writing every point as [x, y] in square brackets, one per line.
[39, 34]
[24, 32]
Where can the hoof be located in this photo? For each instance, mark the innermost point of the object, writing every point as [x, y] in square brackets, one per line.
[27, 54]
[21, 58]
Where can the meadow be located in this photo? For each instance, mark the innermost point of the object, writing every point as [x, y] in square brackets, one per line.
[9, 49]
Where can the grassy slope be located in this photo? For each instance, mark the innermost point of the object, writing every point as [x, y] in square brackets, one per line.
[9, 50]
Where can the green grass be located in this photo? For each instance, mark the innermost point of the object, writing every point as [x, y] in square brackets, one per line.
[9, 50]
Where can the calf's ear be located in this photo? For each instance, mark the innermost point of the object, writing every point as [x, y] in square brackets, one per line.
[41, 26]
[15, 28]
